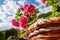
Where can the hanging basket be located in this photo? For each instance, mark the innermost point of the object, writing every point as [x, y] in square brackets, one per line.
[47, 29]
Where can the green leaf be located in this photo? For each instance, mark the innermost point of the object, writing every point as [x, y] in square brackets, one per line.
[54, 8]
[33, 21]
[52, 2]
[52, 15]
[18, 15]
[49, 3]
[48, 14]
[22, 33]
[57, 14]
[41, 16]
[30, 19]
[45, 15]
[36, 11]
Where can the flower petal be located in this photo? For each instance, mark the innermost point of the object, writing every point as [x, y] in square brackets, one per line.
[43, 2]
[23, 22]
[14, 23]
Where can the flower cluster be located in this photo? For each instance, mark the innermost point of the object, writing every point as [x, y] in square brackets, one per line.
[28, 9]
[28, 12]
[22, 22]
[24, 19]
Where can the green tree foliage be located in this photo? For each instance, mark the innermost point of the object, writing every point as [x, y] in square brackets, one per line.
[2, 36]
[52, 2]
[55, 9]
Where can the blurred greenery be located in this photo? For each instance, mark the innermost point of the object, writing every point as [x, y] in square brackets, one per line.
[22, 33]
[52, 2]
[2, 36]
[36, 11]
[46, 15]
[55, 9]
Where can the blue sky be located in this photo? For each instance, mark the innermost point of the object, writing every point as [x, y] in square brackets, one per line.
[1, 2]
[9, 7]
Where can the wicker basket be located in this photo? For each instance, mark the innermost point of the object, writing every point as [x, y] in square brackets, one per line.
[47, 29]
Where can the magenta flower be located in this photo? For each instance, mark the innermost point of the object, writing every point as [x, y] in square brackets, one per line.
[25, 36]
[43, 2]
[14, 23]
[23, 22]
[28, 9]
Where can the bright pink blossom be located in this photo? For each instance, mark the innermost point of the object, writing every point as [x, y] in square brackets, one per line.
[23, 22]
[43, 2]
[14, 23]
[28, 9]
[25, 36]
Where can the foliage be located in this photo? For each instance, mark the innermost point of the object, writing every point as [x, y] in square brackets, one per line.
[2, 36]
[52, 2]
[55, 9]
[45, 15]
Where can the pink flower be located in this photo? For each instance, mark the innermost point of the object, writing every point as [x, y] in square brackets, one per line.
[23, 22]
[25, 36]
[14, 23]
[43, 2]
[25, 8]
[28, 9]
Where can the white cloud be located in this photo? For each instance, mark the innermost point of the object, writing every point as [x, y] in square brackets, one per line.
[38, 1]
[21, 2]
[45, 10]
[9, 7]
